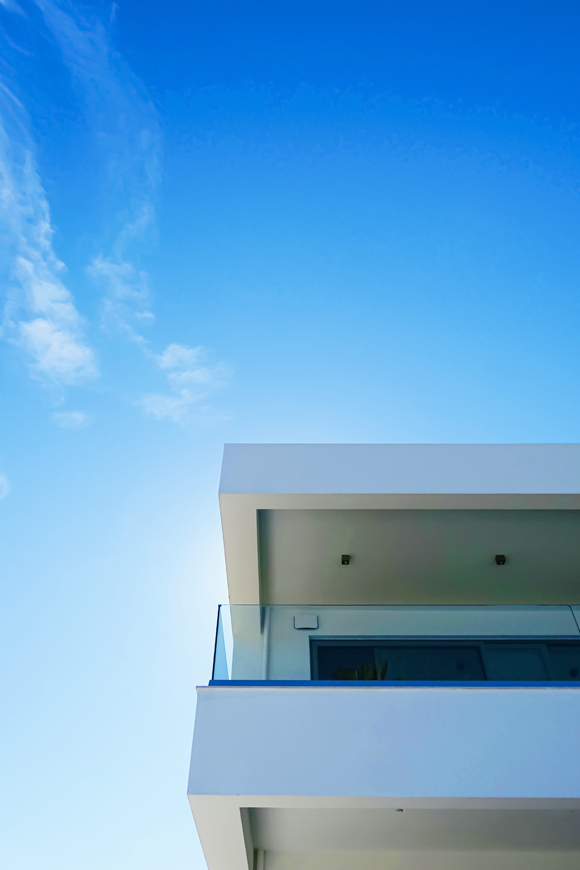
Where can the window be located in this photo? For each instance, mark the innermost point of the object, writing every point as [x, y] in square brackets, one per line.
[443, 660]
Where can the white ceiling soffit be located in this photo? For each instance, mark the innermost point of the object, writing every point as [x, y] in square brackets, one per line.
[419, 557]
[376, 477]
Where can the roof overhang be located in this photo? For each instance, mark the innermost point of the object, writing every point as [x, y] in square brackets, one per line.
[420, 478]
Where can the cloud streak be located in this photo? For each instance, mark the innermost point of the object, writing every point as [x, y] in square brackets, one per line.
[12, 6]
[40, 316]
[125, 123]
[190, 382]
[70, 419]
[4, 486]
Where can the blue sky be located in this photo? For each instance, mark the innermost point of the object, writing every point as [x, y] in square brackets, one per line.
[248, 221]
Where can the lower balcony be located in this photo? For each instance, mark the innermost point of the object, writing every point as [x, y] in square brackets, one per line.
[359, 743]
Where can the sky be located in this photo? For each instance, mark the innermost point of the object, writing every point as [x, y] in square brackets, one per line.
[242, 222]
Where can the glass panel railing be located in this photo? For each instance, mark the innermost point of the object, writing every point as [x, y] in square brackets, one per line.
[396, 644]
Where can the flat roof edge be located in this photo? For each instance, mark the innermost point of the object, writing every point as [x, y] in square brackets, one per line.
[401, 469]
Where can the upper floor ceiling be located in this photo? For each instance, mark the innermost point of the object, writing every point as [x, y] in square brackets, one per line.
[422, 524]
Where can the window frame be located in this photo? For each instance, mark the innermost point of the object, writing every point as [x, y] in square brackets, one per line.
[478, 642]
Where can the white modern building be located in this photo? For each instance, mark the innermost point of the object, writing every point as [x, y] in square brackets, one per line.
[396, 678]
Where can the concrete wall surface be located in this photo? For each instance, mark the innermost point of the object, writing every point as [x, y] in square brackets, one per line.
[401, 468]
[493, 743]
[273, 766]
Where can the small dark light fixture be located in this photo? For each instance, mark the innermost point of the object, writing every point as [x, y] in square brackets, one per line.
[500, 560]
[345, 560]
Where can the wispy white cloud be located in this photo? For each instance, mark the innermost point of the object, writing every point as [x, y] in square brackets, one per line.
[168, 407]
[178, 356]
[122, 114]
[40, 315]
[189, 380]
[70, 419]
[4, 486]
[12, 6]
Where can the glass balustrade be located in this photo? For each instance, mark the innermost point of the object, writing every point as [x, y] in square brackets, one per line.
[389, 645]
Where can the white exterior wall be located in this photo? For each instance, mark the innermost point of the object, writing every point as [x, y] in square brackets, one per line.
[401, 469]
[419, 744]
[353, 748]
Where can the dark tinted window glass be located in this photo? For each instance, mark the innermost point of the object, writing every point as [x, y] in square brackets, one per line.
[564, 661]
[515, 661]
[496, 660]
[424, 662]
[346, 663]
[420, 662]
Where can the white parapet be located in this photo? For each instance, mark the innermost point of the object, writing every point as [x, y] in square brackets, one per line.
[261, 756]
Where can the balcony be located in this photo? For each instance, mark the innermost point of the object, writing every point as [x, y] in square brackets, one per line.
[394, 646]
[368, 738]
[411, 705]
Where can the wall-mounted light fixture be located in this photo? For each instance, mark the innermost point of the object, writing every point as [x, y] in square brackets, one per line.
[500, 560]
[345, 560]
[306, 621]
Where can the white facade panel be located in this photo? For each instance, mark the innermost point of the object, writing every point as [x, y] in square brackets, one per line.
[402, 743]
[494, 768]
[401, 468]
